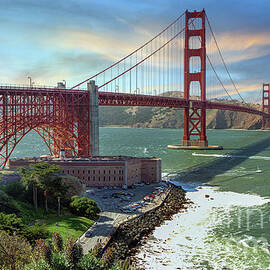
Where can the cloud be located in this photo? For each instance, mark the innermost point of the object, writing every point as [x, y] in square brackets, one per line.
[237, 46]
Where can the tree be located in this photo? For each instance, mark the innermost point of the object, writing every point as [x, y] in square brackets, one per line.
[29, 181]
[45, 177]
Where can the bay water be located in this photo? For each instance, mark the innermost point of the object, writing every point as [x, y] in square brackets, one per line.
[228, 226]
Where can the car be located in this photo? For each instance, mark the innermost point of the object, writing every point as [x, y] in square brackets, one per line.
[141, 203]
[88, 234]
[146, 198]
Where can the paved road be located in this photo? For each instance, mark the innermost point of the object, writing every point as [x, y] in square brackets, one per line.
[111, 215]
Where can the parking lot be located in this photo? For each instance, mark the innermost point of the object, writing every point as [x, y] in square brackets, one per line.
[116, 205]
[127, 201]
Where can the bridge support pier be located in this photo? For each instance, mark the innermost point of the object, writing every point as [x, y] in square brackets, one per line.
[266, 105]
[93, 118]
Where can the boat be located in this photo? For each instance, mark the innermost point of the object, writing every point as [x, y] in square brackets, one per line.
[258, 170]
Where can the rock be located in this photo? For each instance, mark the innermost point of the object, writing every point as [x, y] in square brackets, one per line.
[129, 234]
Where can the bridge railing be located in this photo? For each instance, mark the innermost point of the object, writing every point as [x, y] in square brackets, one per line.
[36, 87]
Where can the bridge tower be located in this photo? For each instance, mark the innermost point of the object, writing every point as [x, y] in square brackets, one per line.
[266, 105]
[195, 118]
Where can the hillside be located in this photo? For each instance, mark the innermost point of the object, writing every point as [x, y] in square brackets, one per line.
[151, 117]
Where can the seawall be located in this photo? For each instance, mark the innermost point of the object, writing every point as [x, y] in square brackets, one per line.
[123, 241]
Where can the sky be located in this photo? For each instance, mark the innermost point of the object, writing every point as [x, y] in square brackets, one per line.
[70, 40]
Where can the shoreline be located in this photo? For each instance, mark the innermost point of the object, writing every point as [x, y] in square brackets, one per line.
[189, 240]
[240, 129]
[126, 238]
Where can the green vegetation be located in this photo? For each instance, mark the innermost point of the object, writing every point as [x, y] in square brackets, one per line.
[17, 254]
[84, 207]
[38, 216]
[68, 225]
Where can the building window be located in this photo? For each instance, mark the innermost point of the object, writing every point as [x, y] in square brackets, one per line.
[94, 178]
[78, 171]
[99, 178]
[88, 171]
[93, 171]
[109, 178]
[88, 177]
[83, 172]
[68, 171]
[73, 171]
[104, 171]
[104, 178]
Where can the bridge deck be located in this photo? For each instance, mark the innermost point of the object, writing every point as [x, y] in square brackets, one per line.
[123, 99]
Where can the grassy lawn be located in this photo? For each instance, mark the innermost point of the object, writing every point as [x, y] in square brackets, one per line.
[69, 225]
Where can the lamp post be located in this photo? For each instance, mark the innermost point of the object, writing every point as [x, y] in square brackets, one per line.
[30, 81]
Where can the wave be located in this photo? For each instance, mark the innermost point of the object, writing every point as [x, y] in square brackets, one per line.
[231, 156]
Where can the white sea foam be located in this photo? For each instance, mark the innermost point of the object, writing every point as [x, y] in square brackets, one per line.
[231, 156]
[183, 242]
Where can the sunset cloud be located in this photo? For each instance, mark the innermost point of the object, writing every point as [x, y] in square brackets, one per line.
[238, 47]
[73, 40]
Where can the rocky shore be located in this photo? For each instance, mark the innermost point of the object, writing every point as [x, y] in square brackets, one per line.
[128, 235]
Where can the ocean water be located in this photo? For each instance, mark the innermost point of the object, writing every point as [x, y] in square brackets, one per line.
[228, 226]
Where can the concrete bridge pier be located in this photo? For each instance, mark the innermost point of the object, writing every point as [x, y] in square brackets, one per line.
[93, 118]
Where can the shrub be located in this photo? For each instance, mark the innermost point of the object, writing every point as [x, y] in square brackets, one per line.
[107, 257]
[10, 223]
[84, 207]
[34, 232]
[44, 250]
[89, 262]
[57, 241]
[7, 204]
[97, 250]
[15, 252]
[15, 189]
[38, 265]
[59, 262]
[73, 252]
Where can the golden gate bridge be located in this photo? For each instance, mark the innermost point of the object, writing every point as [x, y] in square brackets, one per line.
[180, 67]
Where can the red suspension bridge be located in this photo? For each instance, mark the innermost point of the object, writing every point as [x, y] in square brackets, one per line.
[181, 67]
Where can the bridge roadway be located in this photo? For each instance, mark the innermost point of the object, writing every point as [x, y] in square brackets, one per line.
[123, 99]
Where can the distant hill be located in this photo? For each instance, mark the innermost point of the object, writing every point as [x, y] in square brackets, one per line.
[153, 117]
